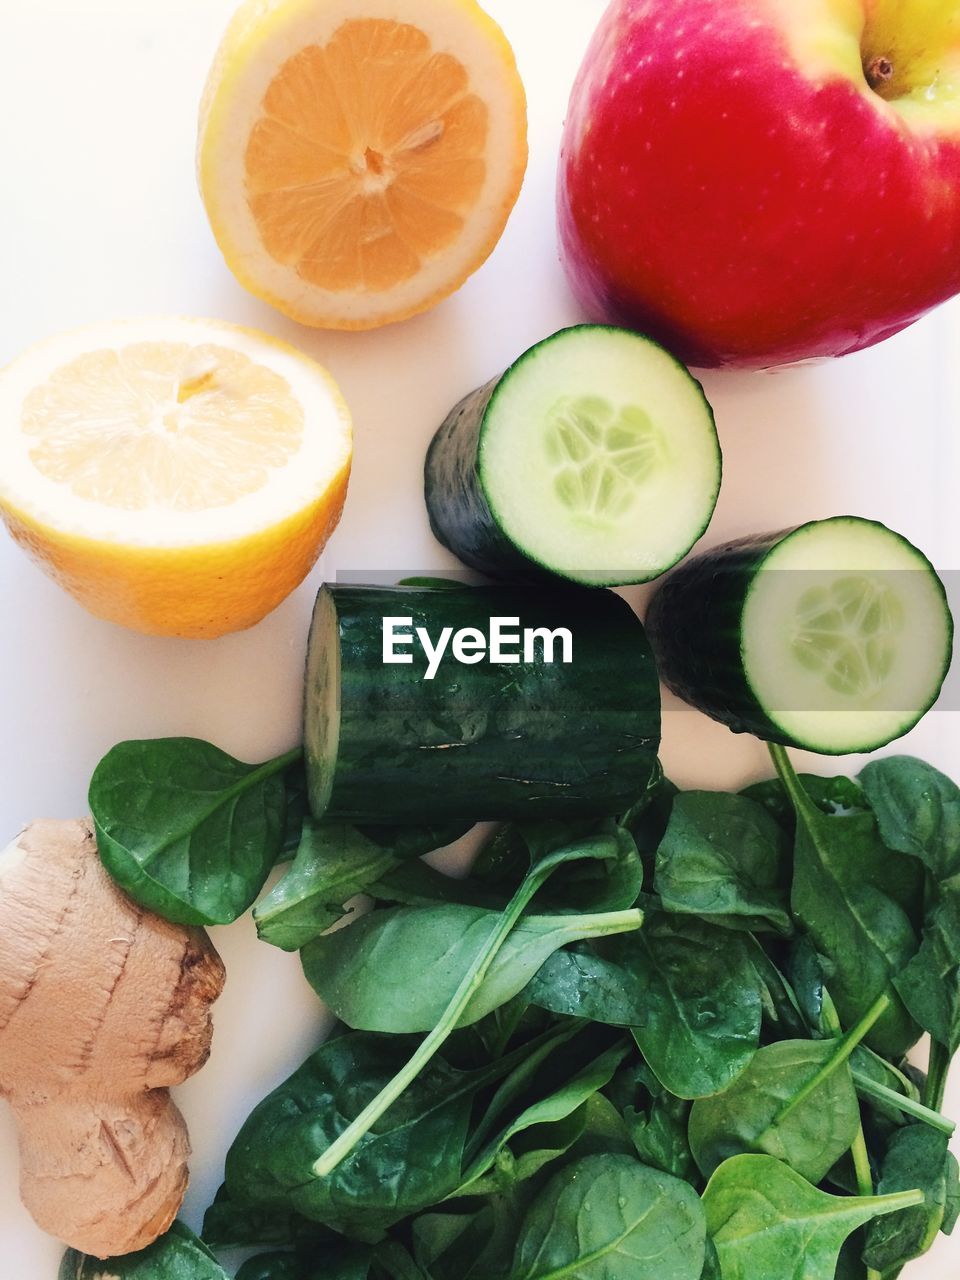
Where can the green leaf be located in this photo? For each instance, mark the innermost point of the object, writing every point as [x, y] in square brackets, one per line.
[698, 1022]
[612, 1218]
[917, 809]
[865, 934]
[186, 830]
[396, 970]
[686, 988]
[767, 1221]
[916, 1157]
[781, 1007]
[333, 864]
[724, 857]
[832, 796]
[229, 1225]
[659, 1135]
[810, 1138]
[276, 1265]
[548, 1117]
[468, 1246]
[411, 1159]
[929, 984]
[178, 1255]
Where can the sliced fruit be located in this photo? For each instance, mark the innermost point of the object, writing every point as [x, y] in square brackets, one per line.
[594, 456]
[359, 158]
[177, 476]
[835, 636]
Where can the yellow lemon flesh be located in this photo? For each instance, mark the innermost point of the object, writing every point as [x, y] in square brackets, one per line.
[177, 476]
[359, 158]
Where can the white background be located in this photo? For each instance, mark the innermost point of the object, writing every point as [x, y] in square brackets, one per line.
[100, 218]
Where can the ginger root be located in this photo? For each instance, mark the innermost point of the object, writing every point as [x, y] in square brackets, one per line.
[102, 1007]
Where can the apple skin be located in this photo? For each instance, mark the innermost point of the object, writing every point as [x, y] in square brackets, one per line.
[715, 196]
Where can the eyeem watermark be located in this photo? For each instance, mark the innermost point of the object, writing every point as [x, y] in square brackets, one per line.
[503, 643]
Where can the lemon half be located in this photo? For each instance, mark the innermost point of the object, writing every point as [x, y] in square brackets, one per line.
[177, 476]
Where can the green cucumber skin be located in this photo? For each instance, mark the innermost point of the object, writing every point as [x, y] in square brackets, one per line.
[490, 741]
[694, 622]
[460, 515]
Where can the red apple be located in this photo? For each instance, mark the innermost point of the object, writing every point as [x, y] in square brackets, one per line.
[760, 181]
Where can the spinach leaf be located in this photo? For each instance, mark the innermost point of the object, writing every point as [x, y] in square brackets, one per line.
[723, 857]
[276, 1266]
[685, 987]
[417, 884]
[779, 1003]
[296, 810]
[468, 1246]
[470, 984]
[647, 819]
[228, 1224]
[917, 1157]
[711, 1262]
[333, 864]
[767, 1221]
[655, 1120]
[832, 796]
[178, 1255]
[409, 1161]
[612, 1218]
[372, 974]
[747, 1117]
[929, 984]
[185, 829]
[543, 1129]
[659, 1134]
[866, 935]
[917, 809]
[610, 879]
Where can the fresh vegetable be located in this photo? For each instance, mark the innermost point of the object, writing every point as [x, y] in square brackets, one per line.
[860, 928]
[358, 166]
[764, 1218]
[491, 1139]
[187, 830]
[531, 736]
[364, 974]
[177, 476]
[916, 1157]
[102, 1008]
[334, 862]
[769, 127]
[595, 456]
[685, 987]
[178, 1255]
[613, 1218]
[834, 636]
[723, 857]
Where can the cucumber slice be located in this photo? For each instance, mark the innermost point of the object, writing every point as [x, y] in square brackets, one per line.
[835, 636]
[524, 739]
[595, 456]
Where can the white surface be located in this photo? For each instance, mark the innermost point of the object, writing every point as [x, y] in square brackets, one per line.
[100, 218]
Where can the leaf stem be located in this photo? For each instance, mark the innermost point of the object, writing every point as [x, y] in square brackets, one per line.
[845, 1047]
[858, 1148]
[938, 1068]
[792, 784]
[472, 980]
[916, 1110]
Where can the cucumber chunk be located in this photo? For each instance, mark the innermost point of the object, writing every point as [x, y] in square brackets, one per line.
[595, 456]
[835, 636]
[480, 739]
